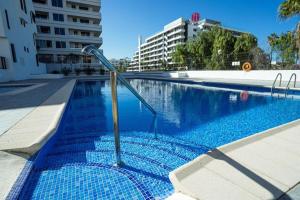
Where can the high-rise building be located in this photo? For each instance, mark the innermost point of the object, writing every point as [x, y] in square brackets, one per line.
[17, 41]
[157, 49]
[64, 27]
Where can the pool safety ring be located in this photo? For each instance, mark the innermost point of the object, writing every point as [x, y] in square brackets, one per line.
[244, 95]
[247, 67]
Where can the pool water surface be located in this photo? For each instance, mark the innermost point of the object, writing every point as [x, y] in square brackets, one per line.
[191, 121]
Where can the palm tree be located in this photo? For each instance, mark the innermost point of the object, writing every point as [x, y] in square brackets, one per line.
[273, 40]
[289, 8]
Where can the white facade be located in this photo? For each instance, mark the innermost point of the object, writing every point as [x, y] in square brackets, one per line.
[17, 46]
[157, 49]
[65, 27]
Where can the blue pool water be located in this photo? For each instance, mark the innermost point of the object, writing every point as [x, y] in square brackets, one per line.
[190, 122]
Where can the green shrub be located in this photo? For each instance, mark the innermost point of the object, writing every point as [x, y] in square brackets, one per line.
[66, 71]
[55, 72]
[77, 71]
[102, 71]
[89, 71]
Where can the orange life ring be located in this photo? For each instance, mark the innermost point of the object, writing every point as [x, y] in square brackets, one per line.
[244, 95]
[247, 67]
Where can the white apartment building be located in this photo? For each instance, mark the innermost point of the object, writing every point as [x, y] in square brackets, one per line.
[65, 27]
[17, 41]
[157, 49]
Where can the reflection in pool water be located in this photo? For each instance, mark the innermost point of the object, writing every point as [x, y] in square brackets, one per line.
[190, 122]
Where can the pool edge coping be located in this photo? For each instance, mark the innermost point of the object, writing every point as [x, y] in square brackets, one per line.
[19, 154]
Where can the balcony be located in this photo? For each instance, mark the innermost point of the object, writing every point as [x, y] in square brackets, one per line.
[68, 11]
[71, 25]
[88, 2]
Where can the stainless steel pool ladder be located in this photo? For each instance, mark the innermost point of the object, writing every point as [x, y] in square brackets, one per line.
[288, 85]
[279, 75]
[92, 50]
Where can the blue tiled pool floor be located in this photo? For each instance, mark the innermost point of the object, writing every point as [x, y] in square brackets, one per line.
[80, 166]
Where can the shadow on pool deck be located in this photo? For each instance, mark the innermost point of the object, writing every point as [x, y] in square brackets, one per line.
[216, 154]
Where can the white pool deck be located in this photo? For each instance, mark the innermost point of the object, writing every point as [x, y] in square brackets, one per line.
[262, 166]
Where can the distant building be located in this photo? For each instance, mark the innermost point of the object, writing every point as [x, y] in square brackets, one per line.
[17, 41]
[123, 62]
[65, 27]
[158, 48]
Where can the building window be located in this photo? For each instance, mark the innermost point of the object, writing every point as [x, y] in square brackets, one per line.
[3, 63]
[32, 15]
[74, 19]
[83, 8]
[7, 19]
[83, 33]
[37, 60]
[45, 58]
[60, 44]
[43, 44]
[57, 3]
[42, 15]
[23, 22]
[87, 59]
[40, 1]
[59, 31]
[84, 21]
[23, 5]
[58, 17]
[62, 59]
[43, 29]
[73, 6]
[13, 52]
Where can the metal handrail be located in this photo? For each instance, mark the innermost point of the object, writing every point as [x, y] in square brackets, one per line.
[91, 49]
[280, 81]
[114, 75]
[287, 86]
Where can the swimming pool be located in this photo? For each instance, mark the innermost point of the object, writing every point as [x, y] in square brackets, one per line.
[191, 121]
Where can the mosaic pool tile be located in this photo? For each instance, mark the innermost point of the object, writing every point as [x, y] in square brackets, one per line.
[190, 122]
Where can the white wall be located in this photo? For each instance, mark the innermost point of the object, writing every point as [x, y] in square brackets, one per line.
[21, 37]
[265, 75]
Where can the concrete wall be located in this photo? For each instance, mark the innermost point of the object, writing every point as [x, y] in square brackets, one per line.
[266, 75]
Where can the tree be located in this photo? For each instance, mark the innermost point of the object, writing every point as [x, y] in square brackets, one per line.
[259, 59]
[204, 47]
[289, 8]
[243, 46]
[273, 40]
[223, 47]
[285, 48]
[214, 49]
[181, 55]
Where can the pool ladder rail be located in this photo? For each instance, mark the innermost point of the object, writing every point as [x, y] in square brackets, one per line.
[288, 85]
[287, 88]
[114, 75]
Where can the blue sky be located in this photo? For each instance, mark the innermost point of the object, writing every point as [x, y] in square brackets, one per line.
[124, 20]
